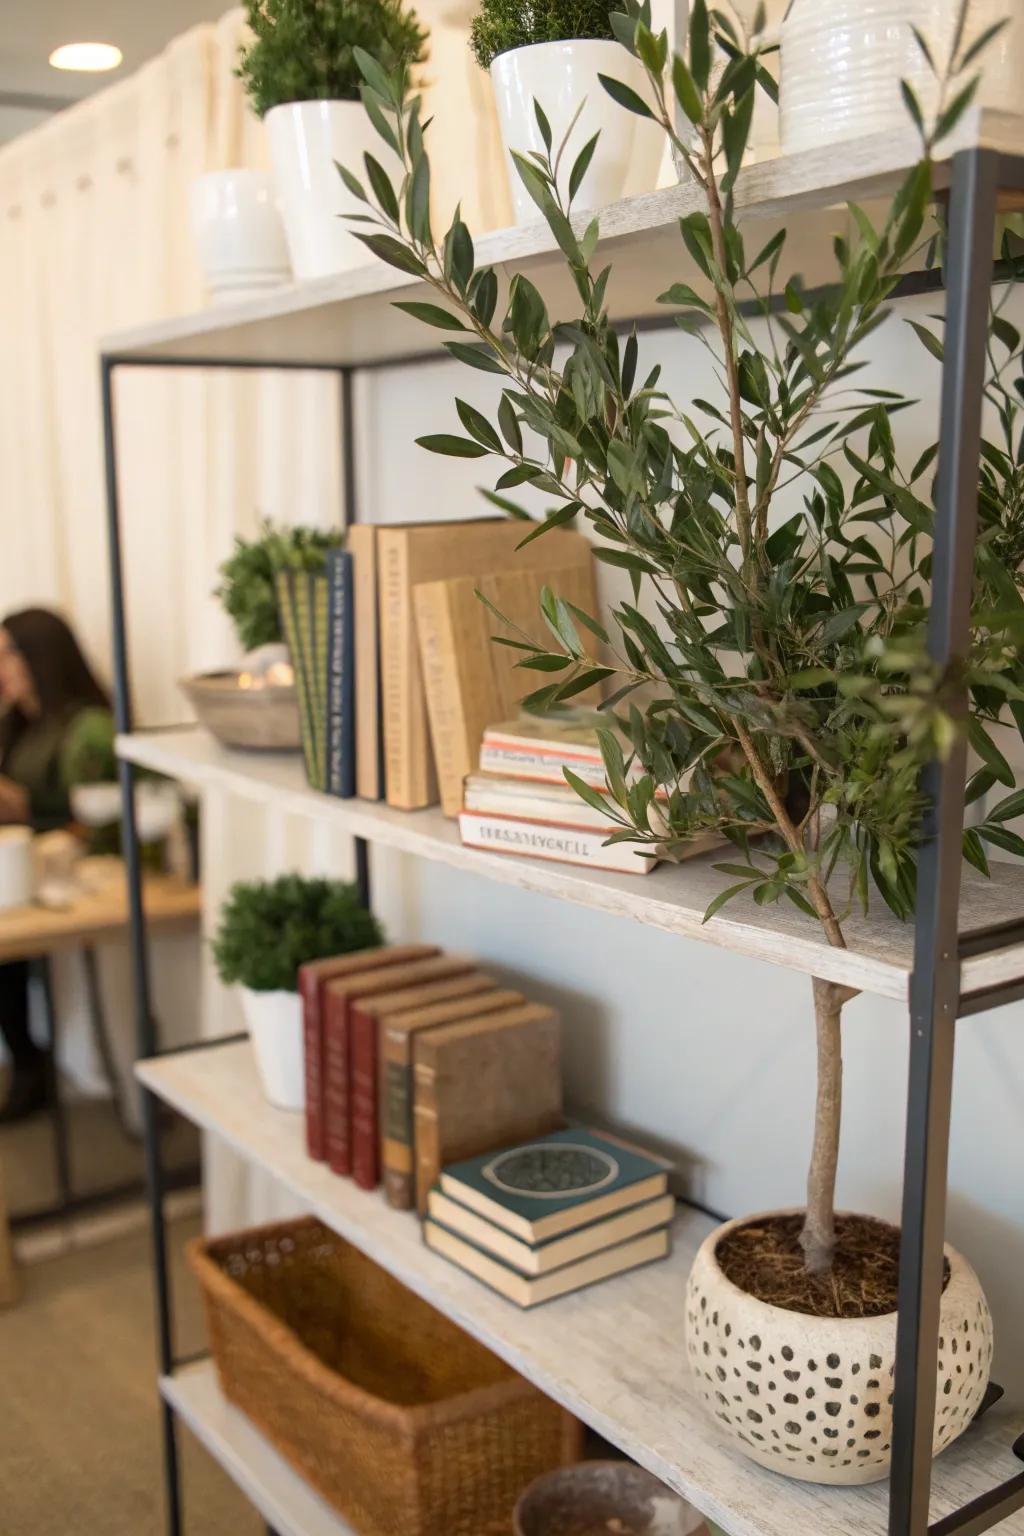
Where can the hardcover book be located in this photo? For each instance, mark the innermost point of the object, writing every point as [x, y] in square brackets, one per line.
[340, 997]
[546, 1186]
[431, 552]
[528, 1291]
[396, 1082]
[340, 736]
[302, 600]
[468, 680]
[541, 1258]
[311, 979]
[361, 543]
[367, 1017]
[540, 748]
[558, 844]
[483, 1083]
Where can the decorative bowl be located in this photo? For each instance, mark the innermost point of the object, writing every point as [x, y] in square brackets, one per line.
[604, 1498]
[259, 719]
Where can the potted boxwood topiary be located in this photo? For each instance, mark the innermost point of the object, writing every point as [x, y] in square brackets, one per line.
[774, 683]
[545, 58]
[257, 707]
[268, 929]
[302, 79]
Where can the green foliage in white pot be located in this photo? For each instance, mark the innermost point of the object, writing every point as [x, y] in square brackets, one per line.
[304, 50]
[786, 698]
[268, 928]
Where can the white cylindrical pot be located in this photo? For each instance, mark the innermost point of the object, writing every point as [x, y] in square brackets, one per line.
[306, 139]
[17, 876]
[561, 76]
[811, 1397]
[842, 62]
[239, 233]
[274, 1022]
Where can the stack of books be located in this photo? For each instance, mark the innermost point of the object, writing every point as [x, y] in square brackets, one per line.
[545, 1217]
[520, 801]
[415, 1058]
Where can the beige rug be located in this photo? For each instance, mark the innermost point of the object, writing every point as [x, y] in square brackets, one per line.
[79, 1427]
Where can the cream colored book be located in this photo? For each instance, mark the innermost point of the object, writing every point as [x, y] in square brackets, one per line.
[539, 1259]
[526, 1291]
[469, 680]
[361, 543]
[422, 552]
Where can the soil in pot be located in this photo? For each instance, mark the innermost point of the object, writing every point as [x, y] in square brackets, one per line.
[764, 1259]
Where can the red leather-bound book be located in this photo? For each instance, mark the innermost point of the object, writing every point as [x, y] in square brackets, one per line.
[341, 997]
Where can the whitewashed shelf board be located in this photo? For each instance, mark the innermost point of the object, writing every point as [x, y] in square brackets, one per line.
[673, 898]
[285, 1500]
[613, 1355]
[349, 319]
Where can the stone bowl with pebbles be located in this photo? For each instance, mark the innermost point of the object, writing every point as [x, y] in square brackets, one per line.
[798, 1371]
[604, 1498]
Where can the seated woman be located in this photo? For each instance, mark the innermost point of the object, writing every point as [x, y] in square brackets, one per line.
[49, 698]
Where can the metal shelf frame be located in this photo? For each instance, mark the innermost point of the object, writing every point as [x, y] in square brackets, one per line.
[979, 177]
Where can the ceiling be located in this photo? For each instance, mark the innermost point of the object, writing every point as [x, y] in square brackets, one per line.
[30, 90]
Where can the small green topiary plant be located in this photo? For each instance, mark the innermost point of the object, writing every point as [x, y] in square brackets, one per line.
[247, 577]
[302, 50]
[268, 928]
[501, 25]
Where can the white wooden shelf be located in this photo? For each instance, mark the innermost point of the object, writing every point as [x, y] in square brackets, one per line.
[613, 1355]
[285, 1500]
[349, 319]
[673, 898]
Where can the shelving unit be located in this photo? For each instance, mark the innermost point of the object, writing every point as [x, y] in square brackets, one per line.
[615, 1354]
[283, 1498]
[674, 898]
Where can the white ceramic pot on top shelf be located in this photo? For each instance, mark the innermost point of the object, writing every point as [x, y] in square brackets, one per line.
[842, 62]
[306, 139]
[238, 233]
[561, 75]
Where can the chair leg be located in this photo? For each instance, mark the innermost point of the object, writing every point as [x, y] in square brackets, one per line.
[8, 1277]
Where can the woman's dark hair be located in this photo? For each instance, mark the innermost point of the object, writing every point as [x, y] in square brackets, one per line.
[63, 679]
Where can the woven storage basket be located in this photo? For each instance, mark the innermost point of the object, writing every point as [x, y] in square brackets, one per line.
[403, 1422]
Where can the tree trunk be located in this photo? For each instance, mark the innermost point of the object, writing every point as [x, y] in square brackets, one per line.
[818, 1238]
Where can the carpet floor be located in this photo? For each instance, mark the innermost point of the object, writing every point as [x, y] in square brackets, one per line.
[79, 1423]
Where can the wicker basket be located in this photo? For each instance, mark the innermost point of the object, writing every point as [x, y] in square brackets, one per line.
[403, 1422]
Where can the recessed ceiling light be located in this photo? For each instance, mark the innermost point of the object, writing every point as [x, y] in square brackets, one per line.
[91, 58]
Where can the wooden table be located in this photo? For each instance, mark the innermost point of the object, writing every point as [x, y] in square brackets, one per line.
[97, 912]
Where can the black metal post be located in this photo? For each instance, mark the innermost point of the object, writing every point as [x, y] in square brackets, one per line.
[935, 983]
[350, 507]
[145, 1034]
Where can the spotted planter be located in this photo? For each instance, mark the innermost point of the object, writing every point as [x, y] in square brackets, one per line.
[811, 1397]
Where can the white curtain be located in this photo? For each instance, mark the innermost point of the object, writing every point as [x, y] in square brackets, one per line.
[95, 237]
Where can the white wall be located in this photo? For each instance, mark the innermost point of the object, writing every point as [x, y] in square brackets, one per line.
[708, 1053]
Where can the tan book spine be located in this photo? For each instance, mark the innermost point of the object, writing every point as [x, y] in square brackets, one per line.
[361, 543]
[398, 1136]
[392, 554]
[441, 664]
[481, 1084]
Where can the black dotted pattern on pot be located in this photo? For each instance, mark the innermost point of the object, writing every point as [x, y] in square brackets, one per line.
[829, 1413]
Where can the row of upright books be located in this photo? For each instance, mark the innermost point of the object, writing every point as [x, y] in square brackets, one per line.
[396, 670]
[424, 1074]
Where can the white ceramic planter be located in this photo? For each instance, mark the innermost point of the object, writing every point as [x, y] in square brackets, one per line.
[811, 1397]
[560, 76]
[239, 233]
[842, 62]
[306, 138]
[274, 1022]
